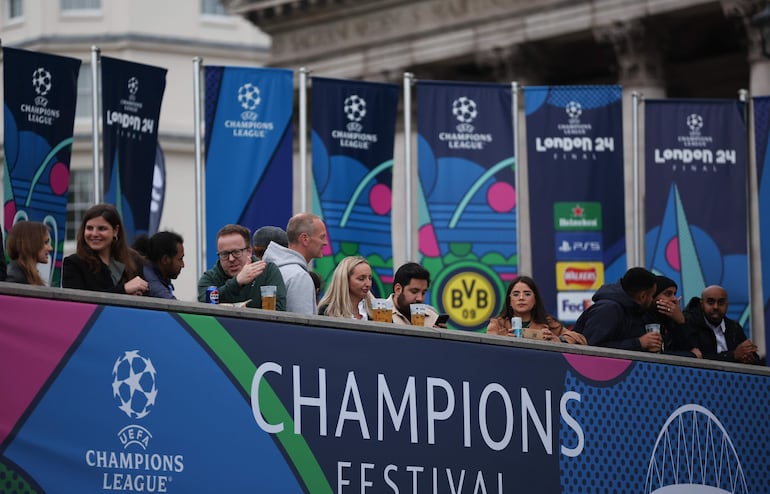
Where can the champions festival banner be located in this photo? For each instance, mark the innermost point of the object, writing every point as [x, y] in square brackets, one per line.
[696, 198]
[353, 130]
[762, 139]
[575, 166]
[132, 94]
[40, 91]
[132, 400]
[466, 197]
[248, 149]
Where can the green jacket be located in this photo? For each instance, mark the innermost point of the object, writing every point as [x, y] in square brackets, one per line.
[230, 291]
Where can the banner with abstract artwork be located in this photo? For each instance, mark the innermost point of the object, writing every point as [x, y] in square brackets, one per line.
[696, 199]
[40, 92]
[575, 166]
[354, 126]
[132, 94]
[248, 149]
[466, 197]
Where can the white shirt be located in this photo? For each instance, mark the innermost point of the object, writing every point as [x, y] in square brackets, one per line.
[719, 332]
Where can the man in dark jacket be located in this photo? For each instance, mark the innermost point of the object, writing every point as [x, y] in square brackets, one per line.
[616, 319]
[719, 337]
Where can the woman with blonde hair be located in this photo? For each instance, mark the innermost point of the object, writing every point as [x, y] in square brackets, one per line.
[29, 243]
[348, 294]
[103, 261]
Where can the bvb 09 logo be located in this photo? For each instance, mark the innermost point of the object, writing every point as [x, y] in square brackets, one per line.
[468, 296]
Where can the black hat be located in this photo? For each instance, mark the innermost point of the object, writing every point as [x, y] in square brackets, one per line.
[266, 234]
[663, 282]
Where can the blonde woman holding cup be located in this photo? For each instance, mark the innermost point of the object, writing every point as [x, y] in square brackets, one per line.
[349, 292]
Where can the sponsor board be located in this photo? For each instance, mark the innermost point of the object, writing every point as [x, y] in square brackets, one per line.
[578, 246]
[571, 304]
[577, 216]
[579, 276]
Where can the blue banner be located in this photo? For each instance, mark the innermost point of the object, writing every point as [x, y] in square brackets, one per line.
[695, 198]
[40, 92]
[104, 398]
[354, 125]
[575, 167]
[761, 140]
[248, 149]
[132, 94]
[466, 197]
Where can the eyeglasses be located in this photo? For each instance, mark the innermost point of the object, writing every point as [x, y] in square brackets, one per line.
[237, 253]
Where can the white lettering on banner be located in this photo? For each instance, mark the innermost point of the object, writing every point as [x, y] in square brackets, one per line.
[134, 483]
[687, 156]
[437, 391]
[133, 122]
[249, 128]
[568, 144]
[40, 114]
[407, 479]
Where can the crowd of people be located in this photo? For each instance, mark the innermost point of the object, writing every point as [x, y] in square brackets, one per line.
[641, 312]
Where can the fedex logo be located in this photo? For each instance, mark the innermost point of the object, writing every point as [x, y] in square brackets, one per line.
[572, 304]
[578, 246]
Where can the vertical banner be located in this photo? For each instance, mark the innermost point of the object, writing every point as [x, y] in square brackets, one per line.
[696, 198]
[248, 149]
[575, 166]
[132, 94]
[466, 197]
[353, 131]
[40, 91]
[762, 139]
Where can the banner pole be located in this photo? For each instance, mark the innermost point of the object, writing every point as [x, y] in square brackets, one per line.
[200, 240]
[517, 164]
[636, 97]
[303, 79]
[408, 81]
[95, 57]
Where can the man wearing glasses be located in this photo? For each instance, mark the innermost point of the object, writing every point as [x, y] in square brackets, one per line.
[237, 274]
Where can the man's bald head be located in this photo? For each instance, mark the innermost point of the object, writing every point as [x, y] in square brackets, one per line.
[713, 301]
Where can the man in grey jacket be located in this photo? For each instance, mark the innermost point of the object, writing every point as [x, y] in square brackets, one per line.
[306, 234]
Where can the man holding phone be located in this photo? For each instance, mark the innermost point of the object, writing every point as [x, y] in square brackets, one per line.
[410, 283]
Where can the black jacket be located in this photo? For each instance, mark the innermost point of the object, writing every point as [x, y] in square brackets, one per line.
[707, 340]
[615, 320]
[76, 273]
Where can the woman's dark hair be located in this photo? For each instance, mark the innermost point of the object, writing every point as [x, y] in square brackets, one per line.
[538, 310]
[119, 249]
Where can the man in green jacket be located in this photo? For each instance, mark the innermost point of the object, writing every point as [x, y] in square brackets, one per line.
[237, 274]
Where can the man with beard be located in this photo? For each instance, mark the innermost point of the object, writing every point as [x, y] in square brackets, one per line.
[719, 337]
[410, 283]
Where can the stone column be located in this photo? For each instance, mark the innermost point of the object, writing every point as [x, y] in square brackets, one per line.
[640, 69]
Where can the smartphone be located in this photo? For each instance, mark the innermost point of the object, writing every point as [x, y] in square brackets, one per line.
[442, 319]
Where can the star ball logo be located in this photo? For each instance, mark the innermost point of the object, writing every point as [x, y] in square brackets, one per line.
[465, 111]
[354, 107]
[695, 123]
[574, 110]
[133, 87]
[249, 97]
[42, 82]
[134, 384]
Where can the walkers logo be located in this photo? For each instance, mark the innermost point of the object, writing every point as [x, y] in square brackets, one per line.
[354, 108]
[572, 216]
[579, 275]
[42, 83]
[465, 110]
[571, 304]
[695, 152]
[578, 246]
[135, 391]
[249, 97]
[575, 141]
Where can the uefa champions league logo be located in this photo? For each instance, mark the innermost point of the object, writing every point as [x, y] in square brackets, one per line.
[133, 384]
[695, 123]
[133, 86]
[248, 96]
[42, 82]
[574, 110]
[355, 109]
[465, 111]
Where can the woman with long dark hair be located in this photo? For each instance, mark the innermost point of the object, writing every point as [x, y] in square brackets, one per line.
[29, 243]
[103, 261]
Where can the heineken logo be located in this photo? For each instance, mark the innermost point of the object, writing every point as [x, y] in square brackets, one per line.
[577, 216]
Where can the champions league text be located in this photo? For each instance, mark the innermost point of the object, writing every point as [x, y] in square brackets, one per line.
[397, 410]
[149, 472]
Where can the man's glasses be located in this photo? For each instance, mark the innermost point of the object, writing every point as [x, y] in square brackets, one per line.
[237, 253]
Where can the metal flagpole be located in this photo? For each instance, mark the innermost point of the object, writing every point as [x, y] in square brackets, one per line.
[200, 240]
[303, 78]
[636, 97]
[408, 81]
[517, 163]
[95, 57]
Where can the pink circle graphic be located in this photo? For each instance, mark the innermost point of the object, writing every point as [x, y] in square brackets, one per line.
[501, 197]
[59, 178]
[9, 213]
[672, 254]
[380, 199]
[428, 241]
[599, 369]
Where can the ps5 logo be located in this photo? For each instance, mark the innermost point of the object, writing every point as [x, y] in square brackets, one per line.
[582, 246]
